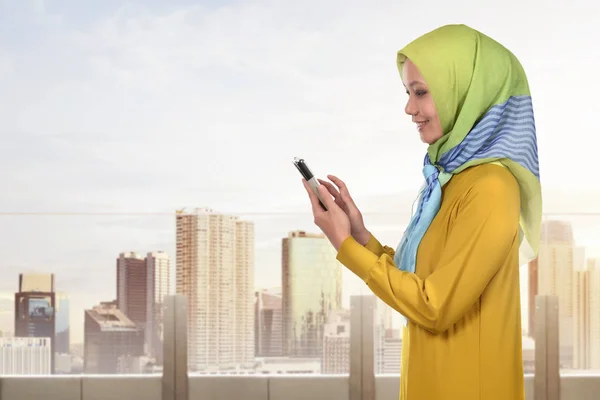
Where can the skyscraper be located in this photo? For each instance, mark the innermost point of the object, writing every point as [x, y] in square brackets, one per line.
[62, 324]
[557, 263]
[388, 355]
[35, 309]
[109, 336]
[385, 341]
[311, 290]
[142, 284]
[132, 287]
[215, 271]
[593, 359]
[336, 343]
[267, 326]
[158, 275]
[552, 232]
[581, 319]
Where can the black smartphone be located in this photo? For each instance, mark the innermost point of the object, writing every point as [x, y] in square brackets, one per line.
[310, 178]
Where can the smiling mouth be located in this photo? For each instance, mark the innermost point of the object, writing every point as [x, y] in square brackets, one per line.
[421, 124]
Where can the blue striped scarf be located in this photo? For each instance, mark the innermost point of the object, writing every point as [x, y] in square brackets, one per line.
[506, 131]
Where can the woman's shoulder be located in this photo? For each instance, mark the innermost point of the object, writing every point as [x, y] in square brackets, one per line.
[488, 182]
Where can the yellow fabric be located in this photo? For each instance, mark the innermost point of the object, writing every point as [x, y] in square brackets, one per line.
[463, 337]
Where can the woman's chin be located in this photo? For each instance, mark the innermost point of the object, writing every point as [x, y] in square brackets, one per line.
[428, 137]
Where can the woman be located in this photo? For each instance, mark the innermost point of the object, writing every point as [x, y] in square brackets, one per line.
[481, 202]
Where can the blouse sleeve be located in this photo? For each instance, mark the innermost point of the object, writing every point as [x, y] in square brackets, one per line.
[375, 247]
[485, 229]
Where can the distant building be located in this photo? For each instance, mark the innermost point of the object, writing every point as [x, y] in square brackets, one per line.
[215, 271]
[132, 287]
[528, 345]
[63, 363]
[62, 324]
[555, 272]
[131, 365]
[593, 315]
[288, 365]
[25, 356]
[109, 335]
[311, 290]
[336, 344]
[268, 324]
[142, 284]
[35, 305]
[388, 354]
[158, 265]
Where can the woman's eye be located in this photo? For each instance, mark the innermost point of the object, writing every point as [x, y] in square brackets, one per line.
[421, 93]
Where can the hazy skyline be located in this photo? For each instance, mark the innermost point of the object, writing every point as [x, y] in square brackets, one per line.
[135, 107]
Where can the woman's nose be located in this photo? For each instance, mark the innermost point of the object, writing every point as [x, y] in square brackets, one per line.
[411, 107]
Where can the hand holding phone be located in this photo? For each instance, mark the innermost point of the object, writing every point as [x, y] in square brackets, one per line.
[310, 179]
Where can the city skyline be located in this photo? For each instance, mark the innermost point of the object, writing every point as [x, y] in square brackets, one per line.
[268, 253]
[215, 269]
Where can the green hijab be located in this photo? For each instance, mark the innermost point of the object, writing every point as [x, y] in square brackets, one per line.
[482, 97]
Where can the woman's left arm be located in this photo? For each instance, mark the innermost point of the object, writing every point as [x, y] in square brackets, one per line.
[486, 228]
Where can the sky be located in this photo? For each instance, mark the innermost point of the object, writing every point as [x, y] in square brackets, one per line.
[130, 110]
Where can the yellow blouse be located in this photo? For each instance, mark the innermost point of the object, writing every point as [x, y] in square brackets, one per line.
[463, 337]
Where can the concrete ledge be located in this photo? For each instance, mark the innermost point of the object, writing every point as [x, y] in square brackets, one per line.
[529, 387]
[580, 386]
[226, 387]
[387, 387]
[309, 387]
[40, 387]
[106, 387]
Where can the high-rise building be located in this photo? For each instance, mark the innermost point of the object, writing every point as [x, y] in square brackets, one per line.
[552, 232]
[142, 284]
[388, 355]
[581, 316]
[35, 308]
[158, 275]
[528, 347]
[267, 324]
[532, 292]
[336, 343]
[7, 313]
[387, 340]
[25, 356]
[384, 314]
[593, 360]
[132, 287]
[557, 262]
[311, 290]
[62, 324]
[215, 271]
[109, 336]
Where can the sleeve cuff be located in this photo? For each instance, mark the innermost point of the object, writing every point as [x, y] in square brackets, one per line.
[357, 258]
[374, 246]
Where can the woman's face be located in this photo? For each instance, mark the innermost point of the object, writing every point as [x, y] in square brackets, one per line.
[420, 104]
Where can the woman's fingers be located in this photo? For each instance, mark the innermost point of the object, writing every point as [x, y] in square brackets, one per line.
[334, 192]
[343, 189]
